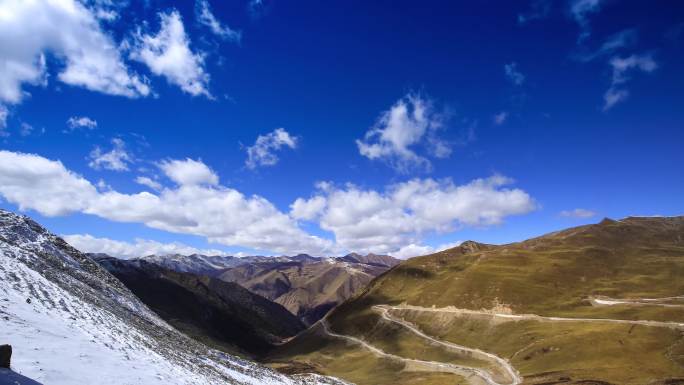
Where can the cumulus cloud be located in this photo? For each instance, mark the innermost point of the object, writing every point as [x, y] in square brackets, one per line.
[207, 18]
[413, 250]
[76, 122]
[513, 74]
[168, 54]
[263, 152]
[139, 248]
[500, 118]
[148, 182]
[578, 213]
[189, 172]
[580, 11]
[33, 182]
[385, 221]
[622, 67]
[69, 31]
[411, 122]
[220, 214]
[307, 209]
[117, 159]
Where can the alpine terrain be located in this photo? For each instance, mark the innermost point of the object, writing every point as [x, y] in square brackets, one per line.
[307, 286]
[310, 287]
[221, 314]
[595, 304]
[71, 322]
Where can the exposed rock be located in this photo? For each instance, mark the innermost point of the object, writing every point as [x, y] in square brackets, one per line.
[5, 356]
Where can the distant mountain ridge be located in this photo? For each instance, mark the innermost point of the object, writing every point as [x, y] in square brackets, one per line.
[212, 264]
[310, 288]
[221, 314]
[307, 286]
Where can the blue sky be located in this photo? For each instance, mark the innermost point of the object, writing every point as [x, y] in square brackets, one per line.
[430, 123]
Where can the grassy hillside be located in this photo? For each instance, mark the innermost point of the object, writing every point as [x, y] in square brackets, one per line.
[556, 275]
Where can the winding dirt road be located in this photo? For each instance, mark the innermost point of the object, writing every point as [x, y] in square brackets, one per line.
[506, 373]
[475, 376]
[606, 301]
[511, 375]
[534, 317]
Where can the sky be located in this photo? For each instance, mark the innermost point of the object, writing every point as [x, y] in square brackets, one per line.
[271, 127]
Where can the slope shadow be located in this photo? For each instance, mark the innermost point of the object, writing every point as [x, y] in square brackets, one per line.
[9, 377]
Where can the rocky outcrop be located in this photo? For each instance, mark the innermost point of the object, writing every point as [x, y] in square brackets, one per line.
[5, 356]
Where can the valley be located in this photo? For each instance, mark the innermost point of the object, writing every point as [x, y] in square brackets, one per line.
[220, 314]
[593, 304]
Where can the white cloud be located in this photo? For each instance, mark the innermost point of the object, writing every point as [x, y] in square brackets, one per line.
[69, 31]
[622, 67]
[580, 11]
[220, 214]
[189, 172]
[410, 122]
[617, 41]
[385, 221]
[117, 159]
[141, 247]
[414, 250]
[539, 9]
[76, 122]
[168, 54]
[255, 8]
[262, 153]
[207, 18]
[33, 182]
[307, 209]
[513, 74]
[149, 182]
[578, 213]
[25, 129]
[500, 118]
[4, 113]
[361, 220]
[613, 96]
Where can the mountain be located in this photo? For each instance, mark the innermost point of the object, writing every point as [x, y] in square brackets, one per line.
[307, 287]
[596, 304]
[371, 259]
[212, 265]
[221, 314]
[195, 263]
[69, 321]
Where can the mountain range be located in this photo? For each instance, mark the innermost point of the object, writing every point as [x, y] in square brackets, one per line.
[220, 314]
[307, 286]
[600, 304]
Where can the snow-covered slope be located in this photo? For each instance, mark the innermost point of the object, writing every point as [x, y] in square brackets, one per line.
[204, 264]
[71, 322]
